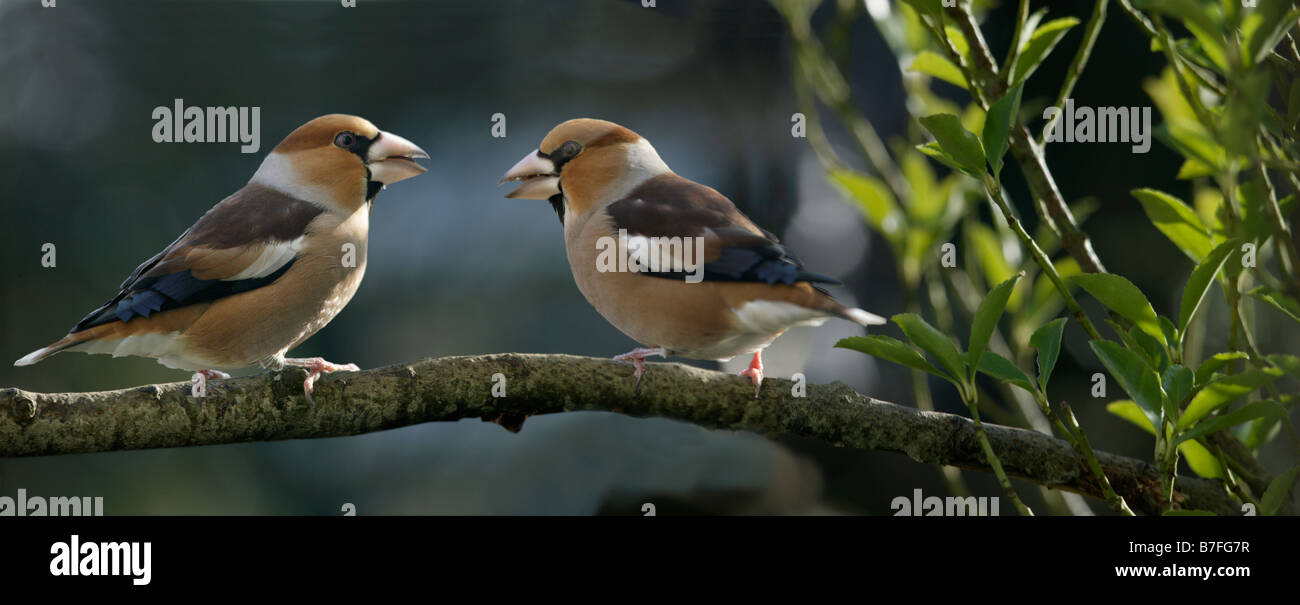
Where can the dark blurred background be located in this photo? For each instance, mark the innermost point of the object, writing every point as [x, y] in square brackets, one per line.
[455, 269]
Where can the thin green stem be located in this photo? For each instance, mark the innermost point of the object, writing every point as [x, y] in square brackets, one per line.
[1170, 48]
[814, 133]
[1230, 478]
[1167, 460]
[1022, 19]
[1141, 20]
[1084, 448]
[1090, 33]
[1281, 233]
[994, 191]
[993, 460]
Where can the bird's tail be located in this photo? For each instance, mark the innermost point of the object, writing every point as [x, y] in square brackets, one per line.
[819, 300]
[860, 316]
[815, 297]
[69, 341]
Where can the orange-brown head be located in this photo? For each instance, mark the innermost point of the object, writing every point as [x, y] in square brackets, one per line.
[339, 161]
[583, 164]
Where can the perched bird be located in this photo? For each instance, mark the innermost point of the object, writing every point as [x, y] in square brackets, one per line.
[262, 270]
[722, 286]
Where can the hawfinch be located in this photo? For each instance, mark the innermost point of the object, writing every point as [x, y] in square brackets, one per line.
[670, 262]
[262, 270]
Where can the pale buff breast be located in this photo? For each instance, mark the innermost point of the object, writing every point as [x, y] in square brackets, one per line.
[260, 326]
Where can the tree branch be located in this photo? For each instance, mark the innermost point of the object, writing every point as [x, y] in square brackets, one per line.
[271, 406]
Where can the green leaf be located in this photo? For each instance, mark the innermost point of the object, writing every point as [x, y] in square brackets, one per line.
[1172, 334]
[1047, 340]
[1130, 411]
[1120, 295]
[1293, 104]
[958, 40]
[1277, 491]
[1177, 221]
[1039, 45]
[1263, 430]
[933, 150]
[1193, 168]
[1149, 347]
[933, 64]
[928, 198]
[962, 146]
[1209, 206]
[1262, 41]
[986, 319]
[1243, 112]
[1287, 305]
[1211, 44]
[926, 7]
[1001, 368]
[1177, 383]
[873, 198]
[1188, 512]
[1134, 376]
[1193, 142]
[1257, 210]
[1206, 371]
[934, 342]
[1199, 283]
[889, 349]
[1187, 11]
[1201, 460]
[1287, 363]
[1223, 391]
[1168, 97]
[997, 126]
[1256, 206]
[1247, 413]
[991, 255]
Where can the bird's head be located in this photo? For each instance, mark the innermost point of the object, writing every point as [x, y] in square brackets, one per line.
[339, 161]
[583, 164]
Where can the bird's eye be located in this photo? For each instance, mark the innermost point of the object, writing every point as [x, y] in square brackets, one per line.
[570, 149]
[345, 140]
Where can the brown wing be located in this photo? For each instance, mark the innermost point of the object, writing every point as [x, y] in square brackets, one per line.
[242, 243]
[735, 249]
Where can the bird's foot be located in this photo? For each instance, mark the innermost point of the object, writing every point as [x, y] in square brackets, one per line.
[316, 366]
[638, 356]
[755, 372]
[199, 382]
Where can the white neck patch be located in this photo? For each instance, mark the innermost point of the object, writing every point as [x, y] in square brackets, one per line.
[277, 172]
[643, 164]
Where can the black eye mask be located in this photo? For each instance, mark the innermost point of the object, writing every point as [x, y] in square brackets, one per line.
[562, 154]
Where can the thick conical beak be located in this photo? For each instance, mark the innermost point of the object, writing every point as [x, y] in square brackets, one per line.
[392, 158]
[539, 179]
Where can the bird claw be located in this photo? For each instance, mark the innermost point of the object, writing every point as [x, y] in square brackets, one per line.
[637, 356]
[316, 366]
[755, 373]
[756, 376]
[640, 371]
[199, 382]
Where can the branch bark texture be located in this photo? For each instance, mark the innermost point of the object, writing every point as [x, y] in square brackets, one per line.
[271, 406]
